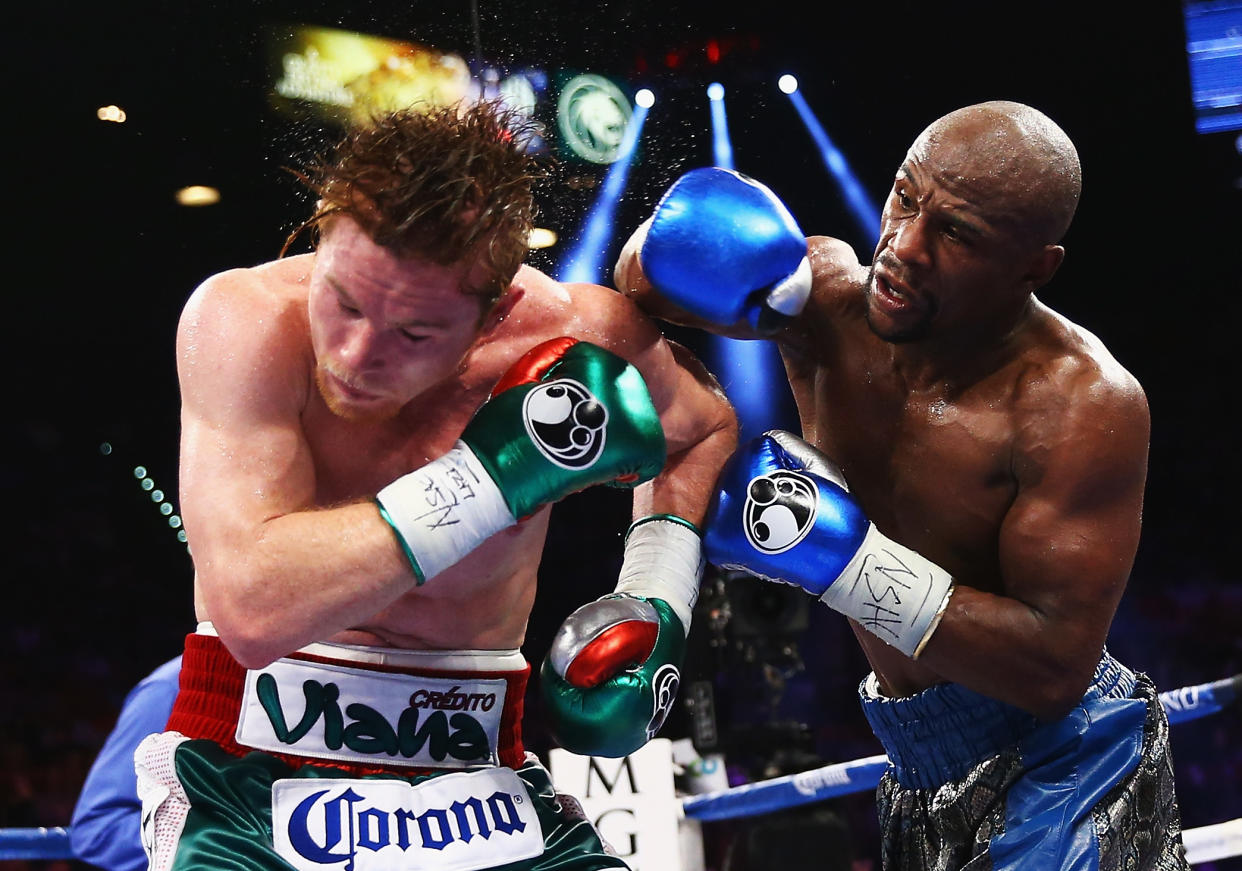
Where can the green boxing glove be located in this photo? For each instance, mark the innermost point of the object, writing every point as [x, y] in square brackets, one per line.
[568, 415]
[611, 675]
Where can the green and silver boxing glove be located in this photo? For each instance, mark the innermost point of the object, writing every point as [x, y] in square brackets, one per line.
[567, 416]
[612, 673]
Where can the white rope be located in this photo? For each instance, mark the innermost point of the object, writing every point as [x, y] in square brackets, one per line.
[1209, 843]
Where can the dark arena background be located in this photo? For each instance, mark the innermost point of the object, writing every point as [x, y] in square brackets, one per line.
[100, 256]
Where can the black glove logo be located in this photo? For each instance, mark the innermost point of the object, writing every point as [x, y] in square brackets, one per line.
[566, 422]
[779, 510]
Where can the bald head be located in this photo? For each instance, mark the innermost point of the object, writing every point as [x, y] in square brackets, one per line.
[1012, 151]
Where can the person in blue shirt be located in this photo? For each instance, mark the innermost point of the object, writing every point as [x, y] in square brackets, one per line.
[105, 828]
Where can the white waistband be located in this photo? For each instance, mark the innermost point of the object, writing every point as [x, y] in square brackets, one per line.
[435, 660]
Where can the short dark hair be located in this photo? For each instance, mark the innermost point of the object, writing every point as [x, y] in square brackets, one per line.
[439, 183]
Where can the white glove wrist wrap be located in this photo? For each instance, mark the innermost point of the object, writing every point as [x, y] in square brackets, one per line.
[445, 509]
[893, 592]
[663, 560]
[789, 295]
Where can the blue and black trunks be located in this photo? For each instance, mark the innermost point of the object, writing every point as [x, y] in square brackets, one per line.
[979, 785]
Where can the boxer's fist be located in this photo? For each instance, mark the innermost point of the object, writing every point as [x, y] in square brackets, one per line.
[611, 675]
[566, 416]
[783, 511]
[768, 502]
[722, 246]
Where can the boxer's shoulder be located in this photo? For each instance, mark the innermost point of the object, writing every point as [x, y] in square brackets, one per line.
[1064, 362]
[837, 275]
[1067, 388]
[539, 307]
[280, 286]
[257, 313]
[836, 299]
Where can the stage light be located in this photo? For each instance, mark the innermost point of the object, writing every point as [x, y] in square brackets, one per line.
[198, 195]
[722, 147]
[749, 372]
[114, 114]
[865, 213]
[645, 98]
[541, 237]
[585, 262]
[787, 83]
[163, 505]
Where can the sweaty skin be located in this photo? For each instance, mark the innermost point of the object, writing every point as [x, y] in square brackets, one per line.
[311, 382]
[973, 423]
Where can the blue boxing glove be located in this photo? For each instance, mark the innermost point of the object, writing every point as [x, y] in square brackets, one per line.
[783, 511]
[722, 246]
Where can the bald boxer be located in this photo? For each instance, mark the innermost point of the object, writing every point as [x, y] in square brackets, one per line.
[372, 437]
[967, 488]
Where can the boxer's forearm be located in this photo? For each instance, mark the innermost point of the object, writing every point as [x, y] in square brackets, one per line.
[1013, 652]
[684, 487]
[701, 429]
[299, 578]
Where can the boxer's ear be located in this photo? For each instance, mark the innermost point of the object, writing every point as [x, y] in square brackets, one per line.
[1043, 266]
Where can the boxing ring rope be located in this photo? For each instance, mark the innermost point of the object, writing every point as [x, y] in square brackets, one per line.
[843, 778]
[1203, 844]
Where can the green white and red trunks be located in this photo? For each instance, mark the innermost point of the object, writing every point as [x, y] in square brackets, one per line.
[347, 758]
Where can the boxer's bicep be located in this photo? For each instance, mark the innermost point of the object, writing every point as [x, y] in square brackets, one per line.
[244, 459]
[1069, 540]
[1032, 635]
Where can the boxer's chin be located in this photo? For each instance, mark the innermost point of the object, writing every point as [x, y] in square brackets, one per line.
[354, 406]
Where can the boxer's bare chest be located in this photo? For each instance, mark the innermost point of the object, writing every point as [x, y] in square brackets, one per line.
[481, 601]
[357, 458]
[932, 465]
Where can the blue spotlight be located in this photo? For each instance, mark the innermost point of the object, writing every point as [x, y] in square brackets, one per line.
[585, 261]
[865, 212]
[751, 373]
[722, 148]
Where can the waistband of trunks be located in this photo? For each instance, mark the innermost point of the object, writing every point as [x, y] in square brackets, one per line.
[938, 735]
[212, 683]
